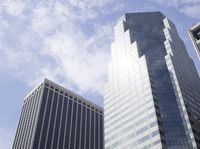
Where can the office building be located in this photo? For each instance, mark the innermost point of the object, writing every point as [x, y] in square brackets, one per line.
[53, 117]
[194, 33]
[152, 97]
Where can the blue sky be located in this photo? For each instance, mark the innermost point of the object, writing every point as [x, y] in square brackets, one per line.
[69, 43]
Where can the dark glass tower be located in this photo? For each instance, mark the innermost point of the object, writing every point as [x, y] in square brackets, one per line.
[152, 98]
[53, 117]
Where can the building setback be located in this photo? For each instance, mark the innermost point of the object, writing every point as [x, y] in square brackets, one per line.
[53, 117]
[152, 97]
[194, 33]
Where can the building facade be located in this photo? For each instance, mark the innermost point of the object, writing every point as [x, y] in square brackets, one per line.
[53, 117]
[194, 33]
[152, 97]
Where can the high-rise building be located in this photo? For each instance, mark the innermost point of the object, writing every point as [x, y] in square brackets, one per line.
[152, 97]
[194, 33]
[53, 117]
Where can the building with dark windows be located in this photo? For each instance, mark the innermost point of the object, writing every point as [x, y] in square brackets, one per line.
[194, 33]
[152, 96]
[53, 117]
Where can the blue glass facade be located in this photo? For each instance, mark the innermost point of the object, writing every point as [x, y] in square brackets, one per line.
[147, 30]
[151, 74]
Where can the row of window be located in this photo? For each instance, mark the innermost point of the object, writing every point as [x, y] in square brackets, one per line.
[64, 123]
[147, 139]
[27, 121]
[72, 97]
[136, 110]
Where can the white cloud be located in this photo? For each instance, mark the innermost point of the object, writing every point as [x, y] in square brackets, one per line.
[189, 1]
[190, 8]
[82, 59]
[88, 4]
[13, 58]
[45, 20]
[76, 54]
[174, 3]
[191, 11]
[53, 44]
[14, 7]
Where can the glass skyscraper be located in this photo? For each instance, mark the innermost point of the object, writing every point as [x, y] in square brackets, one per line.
[53, 117]
[152, 97]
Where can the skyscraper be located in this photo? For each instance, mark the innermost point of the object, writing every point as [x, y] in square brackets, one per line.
[194, 33]
[53, 117]
[152, 97]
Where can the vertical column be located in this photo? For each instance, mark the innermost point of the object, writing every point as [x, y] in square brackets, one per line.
[81, 123]
[88, 128]
[57, 122]
[73, 125]
[24, 126]
[43, 117]
[64, 123]
[77, 133]
[61, 119]
[35, 111]
[68, 124]
[52, 121]
[47, 121]
[30, 119]
[86, 123]
[92, 131]
[101, 132]
[17, 137]
[83, 128]
[97, 131]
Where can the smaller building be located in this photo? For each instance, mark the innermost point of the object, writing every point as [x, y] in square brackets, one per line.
[195, 37]
[53, 117]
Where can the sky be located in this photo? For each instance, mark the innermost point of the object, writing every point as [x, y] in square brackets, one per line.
[67, 41]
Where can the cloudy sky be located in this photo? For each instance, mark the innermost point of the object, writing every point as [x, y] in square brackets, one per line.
[67, 41]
